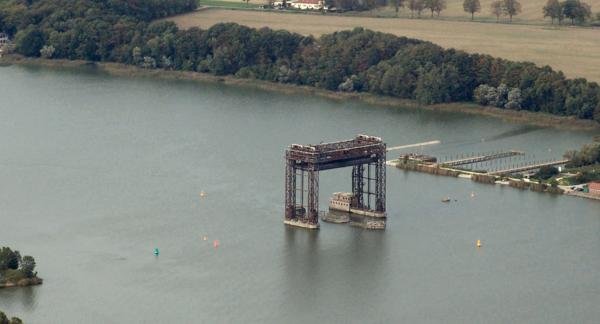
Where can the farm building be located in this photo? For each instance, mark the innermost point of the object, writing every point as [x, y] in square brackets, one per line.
[4, 40]
[594, 188]
[307, 4]
[301, 4]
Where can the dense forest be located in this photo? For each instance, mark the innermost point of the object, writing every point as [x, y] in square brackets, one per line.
[359, 60]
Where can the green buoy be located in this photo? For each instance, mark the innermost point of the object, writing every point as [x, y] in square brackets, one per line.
[156, 251]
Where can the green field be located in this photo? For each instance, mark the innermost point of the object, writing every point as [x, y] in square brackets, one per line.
[232, 4]
[575, 51]
[531, 10]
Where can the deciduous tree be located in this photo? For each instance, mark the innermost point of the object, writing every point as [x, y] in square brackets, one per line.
[576, 10]
[553, 9]
[496, 9]
[435, 6]
[28, 266]
[472, 6]
[9, 259]
[397, 5]
[29, 41]
[415, 6]
[511, 8]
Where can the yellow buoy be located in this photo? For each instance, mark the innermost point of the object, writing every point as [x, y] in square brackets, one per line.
[202, 194]
[478, 243]
[204, 238]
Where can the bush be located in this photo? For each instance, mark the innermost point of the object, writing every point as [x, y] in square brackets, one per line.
[546, 172]
[4, 319]
[501, 97]
[9, 259]
[29, 41]
[27, 266]
[587, 155]
[47, 51]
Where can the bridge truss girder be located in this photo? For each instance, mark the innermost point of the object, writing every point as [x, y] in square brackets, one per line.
[360, 152]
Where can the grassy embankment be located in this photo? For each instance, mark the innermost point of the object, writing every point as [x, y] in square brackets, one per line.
[117, 69]
[575, 51]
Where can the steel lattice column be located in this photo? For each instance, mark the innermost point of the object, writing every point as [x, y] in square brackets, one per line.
[290, 188]
[312, 216]
[380, 184]
[358, 184]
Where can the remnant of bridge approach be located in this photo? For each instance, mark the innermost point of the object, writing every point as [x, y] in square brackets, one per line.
[365, 154]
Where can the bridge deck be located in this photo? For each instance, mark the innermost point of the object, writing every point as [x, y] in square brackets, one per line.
[528, 167]
[482, 158]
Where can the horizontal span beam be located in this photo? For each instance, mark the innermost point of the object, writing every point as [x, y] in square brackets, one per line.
[336, 164]
[413, 145]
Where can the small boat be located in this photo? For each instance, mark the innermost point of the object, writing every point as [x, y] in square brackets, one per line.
[446, 200]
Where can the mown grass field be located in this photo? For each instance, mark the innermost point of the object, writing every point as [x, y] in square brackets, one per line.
[575, 51]
[531, 10]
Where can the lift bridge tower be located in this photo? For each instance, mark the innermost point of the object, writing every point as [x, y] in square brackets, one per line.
[365, 154]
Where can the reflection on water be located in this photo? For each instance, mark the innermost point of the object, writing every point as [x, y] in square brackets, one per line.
[20, 297]
[97, 171]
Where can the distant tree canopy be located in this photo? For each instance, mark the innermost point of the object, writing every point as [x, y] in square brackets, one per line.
[511, 8]
[397, 4]
[577, 11]
[356, 60]
[554, 10]
[508, 8]
[435, 6]
[472, 6]
[12, 260]
[4, 319]
[496, 9]
[9, 259]
[416, 6]
[546, 172]
[587, 155]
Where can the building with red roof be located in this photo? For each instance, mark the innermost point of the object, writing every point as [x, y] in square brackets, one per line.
[594, 188]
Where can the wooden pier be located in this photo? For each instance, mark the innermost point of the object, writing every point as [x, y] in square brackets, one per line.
[482, 158]
[528, 167]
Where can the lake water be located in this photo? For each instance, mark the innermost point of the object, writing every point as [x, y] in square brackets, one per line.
[96, 171]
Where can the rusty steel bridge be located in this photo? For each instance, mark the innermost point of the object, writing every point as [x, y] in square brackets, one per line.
[365, 154]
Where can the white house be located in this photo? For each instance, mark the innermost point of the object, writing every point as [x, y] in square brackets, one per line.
[4, 43]
[301, 4]
[307, 4]
[4, 40]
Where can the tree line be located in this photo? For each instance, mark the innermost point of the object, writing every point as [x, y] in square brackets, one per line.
[356, 60]
[12, 260]
[588, 154]
[576, 10]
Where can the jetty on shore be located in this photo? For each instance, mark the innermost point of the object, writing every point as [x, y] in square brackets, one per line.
[511, 175]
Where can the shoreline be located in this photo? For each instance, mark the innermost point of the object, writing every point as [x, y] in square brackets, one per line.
[123, 70]
[512, 182]
[23, 283]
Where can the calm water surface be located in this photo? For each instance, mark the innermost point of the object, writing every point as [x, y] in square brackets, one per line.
[96, 171]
